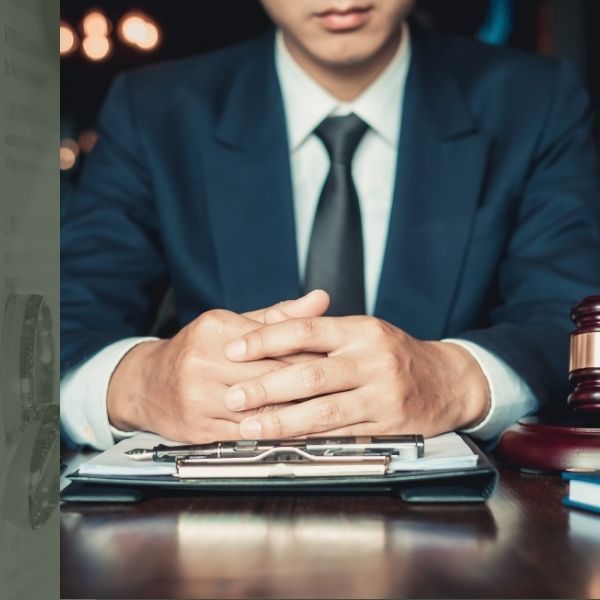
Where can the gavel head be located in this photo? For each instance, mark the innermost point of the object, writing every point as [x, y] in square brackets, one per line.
[584, 362]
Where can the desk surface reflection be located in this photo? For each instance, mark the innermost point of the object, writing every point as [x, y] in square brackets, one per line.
[523, 543]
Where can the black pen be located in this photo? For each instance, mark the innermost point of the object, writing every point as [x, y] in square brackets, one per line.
[402, 446]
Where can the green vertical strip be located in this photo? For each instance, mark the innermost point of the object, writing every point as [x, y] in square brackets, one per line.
[29, 299]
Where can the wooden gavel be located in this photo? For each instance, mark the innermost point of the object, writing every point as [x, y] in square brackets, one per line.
[584, 360]
[542, 444]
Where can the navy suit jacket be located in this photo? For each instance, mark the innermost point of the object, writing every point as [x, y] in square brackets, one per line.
[495, 225]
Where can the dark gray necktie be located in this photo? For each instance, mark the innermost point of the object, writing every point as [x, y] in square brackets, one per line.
[335, 255]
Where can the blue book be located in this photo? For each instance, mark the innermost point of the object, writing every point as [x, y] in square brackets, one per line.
[584, 490]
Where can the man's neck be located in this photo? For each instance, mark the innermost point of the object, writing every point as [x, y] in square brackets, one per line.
[345, 82]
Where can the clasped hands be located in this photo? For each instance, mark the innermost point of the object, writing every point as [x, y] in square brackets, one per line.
[288, 371]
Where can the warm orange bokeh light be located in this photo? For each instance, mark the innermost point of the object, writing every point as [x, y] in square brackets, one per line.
[140, 31]
[133, 28]
[87, 140]
[68, 39]
[67, 159]
[151, 38]
[71, 144]
[96, 47]
[69, 151]
[95, 23]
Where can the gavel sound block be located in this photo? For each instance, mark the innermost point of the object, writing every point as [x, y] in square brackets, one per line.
[541, 445]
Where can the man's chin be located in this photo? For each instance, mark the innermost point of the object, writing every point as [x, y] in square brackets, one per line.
[345, 59]
[352, 50]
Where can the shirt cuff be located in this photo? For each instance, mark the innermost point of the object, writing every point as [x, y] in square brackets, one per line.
[83, 393]
[511, 398]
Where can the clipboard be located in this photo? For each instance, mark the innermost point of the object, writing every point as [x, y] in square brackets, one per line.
[470, 485]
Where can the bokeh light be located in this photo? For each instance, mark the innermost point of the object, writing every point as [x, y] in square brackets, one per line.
[96, 47]
[87, 140]
[68, 39]
[69, 151]
[95, 23]
[140, 31]
[151, 39]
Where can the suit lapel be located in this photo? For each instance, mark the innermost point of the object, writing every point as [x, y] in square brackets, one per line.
[442, 159]
[249, 190]
[441, 163]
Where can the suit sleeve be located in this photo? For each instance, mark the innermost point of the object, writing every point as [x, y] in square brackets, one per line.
[113, 272]
[553, 257]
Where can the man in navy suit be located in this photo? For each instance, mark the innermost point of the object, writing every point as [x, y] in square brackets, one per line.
[443, 193]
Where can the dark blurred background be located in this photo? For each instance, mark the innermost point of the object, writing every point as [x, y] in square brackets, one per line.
[103, 37]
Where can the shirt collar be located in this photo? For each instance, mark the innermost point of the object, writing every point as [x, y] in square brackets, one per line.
[307, 104]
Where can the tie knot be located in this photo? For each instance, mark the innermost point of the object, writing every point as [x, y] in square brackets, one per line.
[341, 136]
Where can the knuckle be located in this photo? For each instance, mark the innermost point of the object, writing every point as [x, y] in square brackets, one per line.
[313, 378]
[275, 366]
[256, 393]
[305, 329]
[347, 368]
[389, 363]
[275, 426]
[375, 327]
[184, 364]
[256, 340]
[185, 400]
[218, 313]
[329, 414]
[272, 315]
[211, 321]
[182, 389]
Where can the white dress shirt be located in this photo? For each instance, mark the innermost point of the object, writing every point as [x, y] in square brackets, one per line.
[84, 389]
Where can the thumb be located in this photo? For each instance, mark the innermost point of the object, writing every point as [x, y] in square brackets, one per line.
[313, 304]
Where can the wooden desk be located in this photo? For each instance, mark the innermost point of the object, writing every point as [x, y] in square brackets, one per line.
[523, 543]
